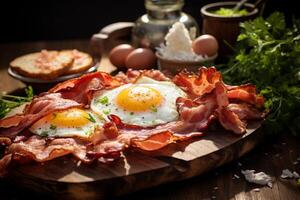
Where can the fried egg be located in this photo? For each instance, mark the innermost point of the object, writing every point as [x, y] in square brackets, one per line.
[67, 123]
[146, 102]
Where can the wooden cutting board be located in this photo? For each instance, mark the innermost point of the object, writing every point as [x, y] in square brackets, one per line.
[66, 178]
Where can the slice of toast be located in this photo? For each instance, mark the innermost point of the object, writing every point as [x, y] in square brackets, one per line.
[43, 65]
[82, 61]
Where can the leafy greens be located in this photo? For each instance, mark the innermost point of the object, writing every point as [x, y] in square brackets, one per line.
[268, 55]
[8, 102]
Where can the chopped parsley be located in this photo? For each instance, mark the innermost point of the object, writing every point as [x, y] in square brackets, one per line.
[153, 108]
[103, 100]
[44, 134]
[106, 112]
[91, 118]
[87, 132]
[52, 127]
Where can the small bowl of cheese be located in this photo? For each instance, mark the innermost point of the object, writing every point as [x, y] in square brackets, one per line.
[180, 51]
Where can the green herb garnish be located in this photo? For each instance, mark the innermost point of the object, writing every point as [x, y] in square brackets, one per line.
[267, 55]
[153, 108]
[106, 112]
[8, 102]
[52, 127]
[44, 134]
[91, 118]
[103, 100]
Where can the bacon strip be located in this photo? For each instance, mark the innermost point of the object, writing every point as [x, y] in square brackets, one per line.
[246, 93]
[231, 121]
[132, 75]
[39, 107]
[80, 89]
[38, 149]
[198, 84]
[245, 111]
[227, 118]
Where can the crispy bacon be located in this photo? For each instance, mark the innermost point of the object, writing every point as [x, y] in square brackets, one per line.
[40, 150]
[246, 93]
[231, 121]
[39, 107]
[80, 89]
[245, 111]
[227, 118]
[132, 75]
[43, 149]
[198, 84]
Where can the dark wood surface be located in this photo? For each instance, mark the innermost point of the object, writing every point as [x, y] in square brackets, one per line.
[272, 156]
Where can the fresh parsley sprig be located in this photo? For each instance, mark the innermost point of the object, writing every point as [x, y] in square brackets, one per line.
[268, 55]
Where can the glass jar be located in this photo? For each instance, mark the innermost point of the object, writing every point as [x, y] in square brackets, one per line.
[151, 28]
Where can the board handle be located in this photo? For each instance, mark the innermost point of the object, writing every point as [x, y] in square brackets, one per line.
[110, 36]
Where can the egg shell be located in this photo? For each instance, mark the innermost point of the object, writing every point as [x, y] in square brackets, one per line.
[141, 58]
[205, 45]
[118, 54]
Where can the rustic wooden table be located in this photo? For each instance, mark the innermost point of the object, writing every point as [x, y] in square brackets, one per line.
[272, 156]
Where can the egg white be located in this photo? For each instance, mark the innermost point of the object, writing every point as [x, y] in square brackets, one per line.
[49, 129]
[104, 104]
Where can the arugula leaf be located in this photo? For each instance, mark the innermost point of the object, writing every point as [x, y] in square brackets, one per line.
[267, 55]
[8, 102]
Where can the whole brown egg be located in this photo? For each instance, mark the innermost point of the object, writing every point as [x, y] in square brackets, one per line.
[141, 58]
[205, 45]
[118, 54]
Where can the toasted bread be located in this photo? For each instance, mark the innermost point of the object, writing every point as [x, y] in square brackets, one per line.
[82, 61]
[43, 65]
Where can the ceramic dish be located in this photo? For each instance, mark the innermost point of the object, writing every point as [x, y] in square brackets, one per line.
[175, 66]
[43, 85]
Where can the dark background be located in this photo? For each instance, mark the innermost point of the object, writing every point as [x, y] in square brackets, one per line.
[65, 19]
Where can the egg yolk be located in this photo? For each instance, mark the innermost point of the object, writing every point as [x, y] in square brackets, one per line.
[139, 98]
[73, 117]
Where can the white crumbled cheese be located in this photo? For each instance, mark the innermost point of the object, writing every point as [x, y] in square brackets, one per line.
[236, 176]
[178, 45]
[259, 178]
[178, 39]
[286, 173]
